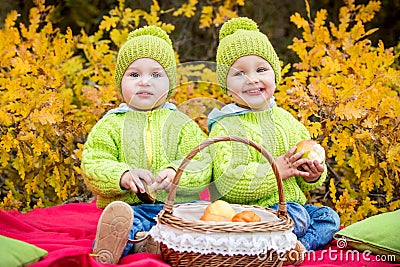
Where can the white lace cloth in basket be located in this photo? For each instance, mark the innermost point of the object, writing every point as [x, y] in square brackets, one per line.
[255, 243]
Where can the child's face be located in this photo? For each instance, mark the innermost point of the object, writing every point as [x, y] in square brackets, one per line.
[251, 82]
[145, 85]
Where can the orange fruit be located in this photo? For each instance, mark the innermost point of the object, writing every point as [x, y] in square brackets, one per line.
[246, 216]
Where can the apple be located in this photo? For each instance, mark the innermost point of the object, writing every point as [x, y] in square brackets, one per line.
[214, 218]
[312, 150]
[220, 208]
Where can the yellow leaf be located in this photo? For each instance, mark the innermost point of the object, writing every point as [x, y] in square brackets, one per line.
[108, 22]
[167, 27]
[223, 15]
[394, 154]
[119, 36]
[299, 21]
[349, 111]
[10, 19]
[187, 9]
[314, 129]
[155, 7]
[320, 18]
[45, 117]
[332, 188]
[206, 17]
[367, 13]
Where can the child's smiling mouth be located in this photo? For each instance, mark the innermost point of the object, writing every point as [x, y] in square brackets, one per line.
[253, 91]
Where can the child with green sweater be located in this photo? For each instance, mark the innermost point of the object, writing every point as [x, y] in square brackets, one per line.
[248, 69]
[142, 141]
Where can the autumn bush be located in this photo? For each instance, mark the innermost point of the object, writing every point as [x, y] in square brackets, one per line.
[54, 86]
[37, 125]
[346, 92]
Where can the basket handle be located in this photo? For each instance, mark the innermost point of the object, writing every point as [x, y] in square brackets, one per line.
[168, 206]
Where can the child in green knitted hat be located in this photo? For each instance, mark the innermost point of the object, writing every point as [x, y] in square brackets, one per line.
[248, 69]
[140, 143]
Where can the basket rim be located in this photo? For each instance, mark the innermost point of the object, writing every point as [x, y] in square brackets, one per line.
[283, 223]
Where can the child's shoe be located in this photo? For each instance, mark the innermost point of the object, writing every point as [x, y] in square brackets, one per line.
[145, 243]
[112, 233]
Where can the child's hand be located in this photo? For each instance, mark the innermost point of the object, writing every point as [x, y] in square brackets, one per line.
[164, 179]
[131, 180]
[288, 164]
[314, 169]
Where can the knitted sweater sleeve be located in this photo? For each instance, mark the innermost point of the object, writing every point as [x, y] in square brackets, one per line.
[300, 132]
[197, 174]
[100, 159]
[241, 174]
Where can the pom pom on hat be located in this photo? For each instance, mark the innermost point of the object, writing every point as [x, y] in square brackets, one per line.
[150, 30]
[147, 42]
[240, 37]
[235, 24]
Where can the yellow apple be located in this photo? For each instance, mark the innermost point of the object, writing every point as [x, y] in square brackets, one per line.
[214, 218]
[312, 150]
[220, 208]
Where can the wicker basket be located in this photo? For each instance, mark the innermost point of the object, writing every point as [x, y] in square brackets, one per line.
[189, 258]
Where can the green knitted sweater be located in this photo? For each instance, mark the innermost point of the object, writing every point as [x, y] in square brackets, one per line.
[241, 174]
[152, 140]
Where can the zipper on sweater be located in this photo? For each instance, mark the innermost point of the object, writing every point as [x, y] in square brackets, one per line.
[149, 146]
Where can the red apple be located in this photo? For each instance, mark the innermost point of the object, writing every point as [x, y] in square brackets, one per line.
[312, 150]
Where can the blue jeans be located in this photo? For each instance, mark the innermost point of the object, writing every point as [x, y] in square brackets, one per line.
[143, 220]
[314, 226]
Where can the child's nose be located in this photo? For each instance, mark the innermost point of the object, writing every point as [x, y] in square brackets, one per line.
[253, 78]
[145, 80]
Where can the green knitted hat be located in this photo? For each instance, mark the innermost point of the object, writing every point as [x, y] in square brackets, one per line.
[147, 42]
[240, 37]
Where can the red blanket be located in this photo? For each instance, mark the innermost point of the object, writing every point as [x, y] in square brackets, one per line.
[67, 232]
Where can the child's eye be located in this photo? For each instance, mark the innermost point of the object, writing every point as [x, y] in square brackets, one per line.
[134, 74]
[261, 69]
[156, 75]
[239, 73]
